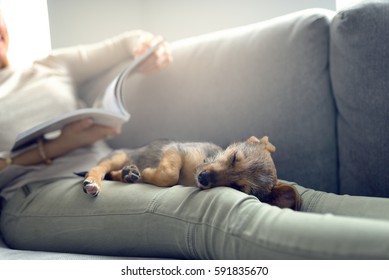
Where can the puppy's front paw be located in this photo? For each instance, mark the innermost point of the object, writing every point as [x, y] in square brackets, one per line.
[91, 188]
[131, 174]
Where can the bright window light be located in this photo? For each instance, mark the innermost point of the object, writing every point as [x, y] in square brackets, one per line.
[340, 4]
[28, 27]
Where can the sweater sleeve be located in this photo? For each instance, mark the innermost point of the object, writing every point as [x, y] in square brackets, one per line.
[87, 61]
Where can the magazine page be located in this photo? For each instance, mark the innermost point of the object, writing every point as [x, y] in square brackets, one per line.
[113, 98]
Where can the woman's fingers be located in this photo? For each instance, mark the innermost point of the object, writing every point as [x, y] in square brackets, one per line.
[161, 58]
[85, 132]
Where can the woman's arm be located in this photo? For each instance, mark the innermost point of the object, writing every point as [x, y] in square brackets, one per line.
[73, 136]
[87, 61]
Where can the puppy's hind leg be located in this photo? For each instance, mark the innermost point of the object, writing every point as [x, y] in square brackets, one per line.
[167, 173]
[92, 181]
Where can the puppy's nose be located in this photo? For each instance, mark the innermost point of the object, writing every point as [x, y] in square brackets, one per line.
[203, 177]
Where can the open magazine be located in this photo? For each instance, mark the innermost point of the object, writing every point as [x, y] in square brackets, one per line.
[109, 109]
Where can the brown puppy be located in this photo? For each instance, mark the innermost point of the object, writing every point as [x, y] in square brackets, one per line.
[245, 166]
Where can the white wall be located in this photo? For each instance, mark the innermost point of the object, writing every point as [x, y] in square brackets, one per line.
[85, 21]
[340, 4]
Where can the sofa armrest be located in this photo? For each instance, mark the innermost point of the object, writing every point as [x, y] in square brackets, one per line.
[359, 72]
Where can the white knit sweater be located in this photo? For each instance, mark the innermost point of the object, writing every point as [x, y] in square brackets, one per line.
[49, 88]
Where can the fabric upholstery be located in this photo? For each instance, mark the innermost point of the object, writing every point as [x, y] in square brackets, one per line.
[360, 78]
[270, 78]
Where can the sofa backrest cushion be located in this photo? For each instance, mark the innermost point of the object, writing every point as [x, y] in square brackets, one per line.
[360, 78]
[269, 78]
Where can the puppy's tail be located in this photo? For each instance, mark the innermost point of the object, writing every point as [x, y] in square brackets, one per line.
[84, 174]
[81, 173]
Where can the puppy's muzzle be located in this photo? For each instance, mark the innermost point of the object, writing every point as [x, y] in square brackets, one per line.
[205, 179]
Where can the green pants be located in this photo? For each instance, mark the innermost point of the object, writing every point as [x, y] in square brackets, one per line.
[185, 222]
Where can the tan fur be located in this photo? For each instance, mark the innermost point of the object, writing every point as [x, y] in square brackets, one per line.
[191, 160]
[167, 173]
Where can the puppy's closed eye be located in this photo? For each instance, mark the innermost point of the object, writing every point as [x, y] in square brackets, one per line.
[236, 157]
[233, 159]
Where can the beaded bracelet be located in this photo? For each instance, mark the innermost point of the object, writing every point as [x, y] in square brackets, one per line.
[7, 161]
[6, 157]
[42, 152]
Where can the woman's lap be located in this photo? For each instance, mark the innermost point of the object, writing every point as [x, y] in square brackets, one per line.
[184, 222]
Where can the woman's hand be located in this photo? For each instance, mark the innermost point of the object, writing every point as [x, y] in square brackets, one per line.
[79, 134]
[161, 58]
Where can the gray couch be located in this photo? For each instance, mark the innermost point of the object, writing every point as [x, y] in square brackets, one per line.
[315, 82]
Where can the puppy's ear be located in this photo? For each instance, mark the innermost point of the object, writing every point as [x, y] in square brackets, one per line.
[253, 140]
[268, 146]
[264, 140]
[284, 196]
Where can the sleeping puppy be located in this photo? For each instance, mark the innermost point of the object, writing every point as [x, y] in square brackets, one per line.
[245, 166]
